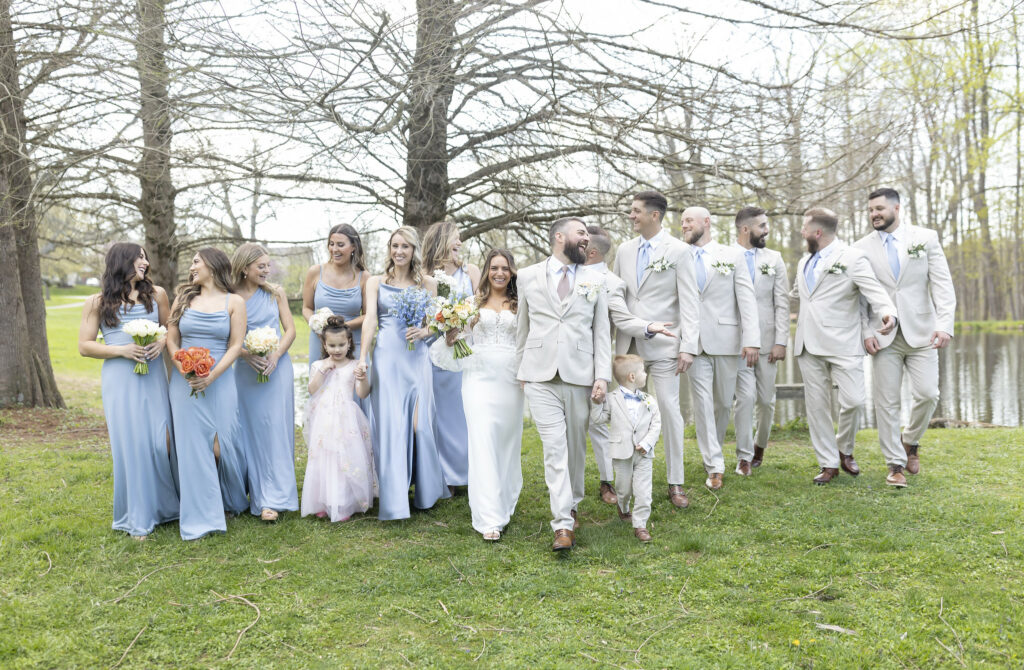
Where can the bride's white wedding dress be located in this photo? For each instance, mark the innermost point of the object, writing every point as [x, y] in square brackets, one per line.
[493, 401]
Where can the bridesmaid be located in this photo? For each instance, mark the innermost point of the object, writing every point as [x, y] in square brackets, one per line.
[401, 396]
[211, 462]
[441, 245]
[266, 411]
[136, 406]
[339, 284]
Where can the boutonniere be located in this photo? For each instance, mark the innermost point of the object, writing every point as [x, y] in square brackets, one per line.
[917, 250]
[661, 265]
[836, 268]
[767, 269]
[647, 400]
[723, 268]
[589, 289]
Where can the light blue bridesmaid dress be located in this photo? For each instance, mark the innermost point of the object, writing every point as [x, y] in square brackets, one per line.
[141, 443]
[450, 425]
[266, 414]
[345, 302]
[209, 487]
[402, 395]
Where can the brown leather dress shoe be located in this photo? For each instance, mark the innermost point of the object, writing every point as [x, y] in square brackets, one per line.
[826, 475]
[575, 521]
[895, 476]
[913, 462]
[714, 481]
[678, 497]
[625, 516]
[847, 463]
[607, 494]
[564, 539]
[743, 467]
[758, 457]
[642, 534]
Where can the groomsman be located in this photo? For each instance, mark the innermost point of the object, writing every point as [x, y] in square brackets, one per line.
[755, 387]
[563, 356]
[728, 332]
[630, 326]
[832, 280]
[658, 273]
[911, 266]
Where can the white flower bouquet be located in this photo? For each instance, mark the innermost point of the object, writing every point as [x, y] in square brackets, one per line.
[456, 315]
[445, 284]
[262, 341]
[143, 332]
[319, 320]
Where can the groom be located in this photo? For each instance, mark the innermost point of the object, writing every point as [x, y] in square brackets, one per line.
[563, 354]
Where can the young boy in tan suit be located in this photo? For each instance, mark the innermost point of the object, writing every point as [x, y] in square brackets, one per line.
[635, 427]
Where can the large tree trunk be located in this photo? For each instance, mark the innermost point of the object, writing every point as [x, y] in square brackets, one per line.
[26, 375]
[432, 82]
[156, 204]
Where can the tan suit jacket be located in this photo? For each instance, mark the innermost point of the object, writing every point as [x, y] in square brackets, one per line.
[923, 294]
[829, 323]
[571, 339]
[623, 321]
[728, 312]
[625, 435]
[668, 295]
[772, 296]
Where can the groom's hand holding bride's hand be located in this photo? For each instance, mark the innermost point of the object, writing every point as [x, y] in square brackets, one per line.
[600, 388]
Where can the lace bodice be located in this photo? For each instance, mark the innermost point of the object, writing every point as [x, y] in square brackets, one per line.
[495, 328]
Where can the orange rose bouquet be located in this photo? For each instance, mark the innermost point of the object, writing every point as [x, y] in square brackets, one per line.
[195, 362]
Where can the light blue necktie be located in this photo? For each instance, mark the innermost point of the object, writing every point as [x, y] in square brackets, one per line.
[750, 263]
[702, 273]
[894, 258]
[809, 271]
[643, 259]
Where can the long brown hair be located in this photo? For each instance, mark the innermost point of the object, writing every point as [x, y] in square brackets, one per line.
[118, 270]
[435, 244]
[410, 235]
[220, 268]
[244, 256]
[353, 237]
[483, 291]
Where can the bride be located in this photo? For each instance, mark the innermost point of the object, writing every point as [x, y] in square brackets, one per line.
[492, 397]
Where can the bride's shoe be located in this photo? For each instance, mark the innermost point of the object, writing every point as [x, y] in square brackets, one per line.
[492, 535]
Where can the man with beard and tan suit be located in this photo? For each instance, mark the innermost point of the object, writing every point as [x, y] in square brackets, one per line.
[728, 333]
[658, 273]
[755, 387]
[911, 266]
[563, 357]
[831, 283]
[623, 322]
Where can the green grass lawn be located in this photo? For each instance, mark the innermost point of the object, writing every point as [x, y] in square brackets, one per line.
[773, 572]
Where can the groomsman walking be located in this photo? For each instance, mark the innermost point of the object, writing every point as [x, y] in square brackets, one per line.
[911, 266]
[755, 387]
[831, 283]
[623, 322]
[659, 277]
[563, 356]
[727, 315]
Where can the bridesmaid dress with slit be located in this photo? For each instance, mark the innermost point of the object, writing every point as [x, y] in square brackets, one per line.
[210, 487]
[141, 444]
[402, 417]
[266, 414]
[344, 302]
[450, 425]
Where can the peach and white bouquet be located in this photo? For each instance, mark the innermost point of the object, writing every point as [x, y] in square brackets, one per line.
[143, 332]
[262, 341]
[454, 314]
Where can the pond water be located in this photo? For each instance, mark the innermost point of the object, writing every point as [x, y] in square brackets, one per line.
[980, 379]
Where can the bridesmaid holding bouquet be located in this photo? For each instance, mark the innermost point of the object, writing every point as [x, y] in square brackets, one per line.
[135, 404]
[211, 462]
[266, 395]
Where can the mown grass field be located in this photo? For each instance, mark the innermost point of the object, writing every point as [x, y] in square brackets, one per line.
[772, 572]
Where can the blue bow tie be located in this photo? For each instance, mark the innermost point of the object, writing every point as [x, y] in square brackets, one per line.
[635, 396]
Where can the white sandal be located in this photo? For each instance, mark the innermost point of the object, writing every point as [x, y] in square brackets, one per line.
[492, 535]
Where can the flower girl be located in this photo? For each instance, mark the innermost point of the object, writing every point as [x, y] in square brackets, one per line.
[340, 480]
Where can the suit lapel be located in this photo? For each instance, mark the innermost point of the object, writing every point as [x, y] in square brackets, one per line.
[908, 240]
[545, 284]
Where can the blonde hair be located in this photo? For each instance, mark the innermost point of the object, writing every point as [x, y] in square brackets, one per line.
[244, 256]
[410, 235]
[623, 364]
[436, 250]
